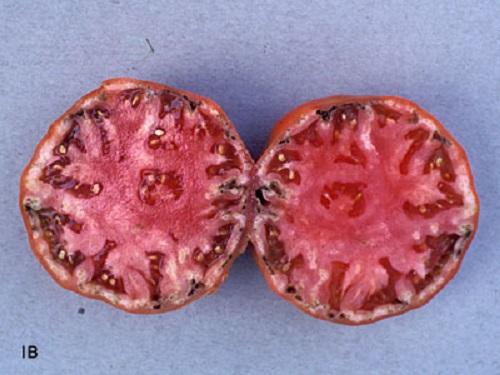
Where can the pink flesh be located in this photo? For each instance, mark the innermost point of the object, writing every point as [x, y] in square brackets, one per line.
[362, 207]
[158, 222]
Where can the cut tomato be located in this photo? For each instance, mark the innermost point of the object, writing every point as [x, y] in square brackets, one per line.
[138, 195]
[365, 207]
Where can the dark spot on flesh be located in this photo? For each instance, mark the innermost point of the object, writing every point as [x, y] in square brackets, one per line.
[268, 265]
[441, 138]
[291, 289]
[195, 286]
[284, 141]
[259, 194]
[467, 231]
[28, 205]
[325, 114]
[192, 103]
[81, 311]
[230, 256]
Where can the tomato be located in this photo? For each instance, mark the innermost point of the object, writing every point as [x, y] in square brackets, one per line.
[365, 207]
[138, 196]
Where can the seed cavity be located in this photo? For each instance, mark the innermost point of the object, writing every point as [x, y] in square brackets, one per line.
[259, 194]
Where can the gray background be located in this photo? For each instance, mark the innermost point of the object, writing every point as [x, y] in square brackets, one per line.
[257, 60]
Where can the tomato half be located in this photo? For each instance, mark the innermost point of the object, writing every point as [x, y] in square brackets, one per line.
[138, 196]
[365, 207]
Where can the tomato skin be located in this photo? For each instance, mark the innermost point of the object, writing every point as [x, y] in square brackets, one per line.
[51, 133]
[291, 118]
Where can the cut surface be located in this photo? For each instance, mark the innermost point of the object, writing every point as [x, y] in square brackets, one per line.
[365, 207]
[138, 196]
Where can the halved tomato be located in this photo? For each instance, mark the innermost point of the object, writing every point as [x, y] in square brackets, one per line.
[138, 196]
[365, 208]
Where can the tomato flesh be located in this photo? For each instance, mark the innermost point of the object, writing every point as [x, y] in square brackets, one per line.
[138, 196]
[376, 201]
